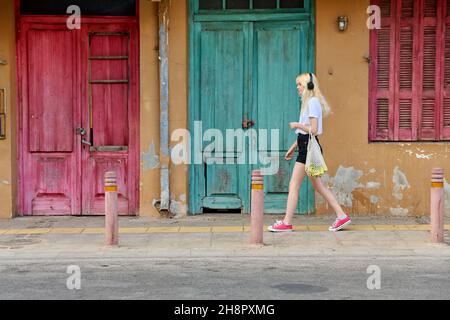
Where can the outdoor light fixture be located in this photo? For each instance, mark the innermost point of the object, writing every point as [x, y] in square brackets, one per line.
[342, 23]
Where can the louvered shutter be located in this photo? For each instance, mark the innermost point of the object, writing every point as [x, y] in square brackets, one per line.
[445, 123]
[405, 116]
[382, 74]
[410, 71]
[430, 47]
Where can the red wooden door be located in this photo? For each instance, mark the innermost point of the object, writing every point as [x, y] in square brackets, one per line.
[72, 81]
[49, 106]
[110, 115]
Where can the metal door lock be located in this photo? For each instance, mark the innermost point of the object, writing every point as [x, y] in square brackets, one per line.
[247, 124]
[82, 133]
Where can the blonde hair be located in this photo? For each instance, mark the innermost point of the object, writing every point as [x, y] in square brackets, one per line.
[304, 79]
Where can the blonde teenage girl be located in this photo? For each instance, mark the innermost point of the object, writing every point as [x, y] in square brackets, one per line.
[313, 107]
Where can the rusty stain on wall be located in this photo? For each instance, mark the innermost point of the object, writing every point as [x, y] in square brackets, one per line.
[373, 185]
[424, 156]
[398, 211]
[400, 183]
[150, 159]
[374, 199]
[361, 200]
[178, 207]
[345, 181]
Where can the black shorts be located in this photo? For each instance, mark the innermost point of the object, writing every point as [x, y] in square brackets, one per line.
[302, 144]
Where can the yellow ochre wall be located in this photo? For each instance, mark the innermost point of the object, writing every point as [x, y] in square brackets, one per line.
[7, 81]
[178, 107]
[149, 112]
[376, 178]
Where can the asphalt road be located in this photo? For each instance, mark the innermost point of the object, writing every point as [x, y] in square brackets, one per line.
[227, 278]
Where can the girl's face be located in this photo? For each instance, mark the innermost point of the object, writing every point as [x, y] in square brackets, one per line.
[300, 88]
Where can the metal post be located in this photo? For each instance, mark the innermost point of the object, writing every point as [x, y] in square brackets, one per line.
[111, 209]
[257, 210]
[437, 205]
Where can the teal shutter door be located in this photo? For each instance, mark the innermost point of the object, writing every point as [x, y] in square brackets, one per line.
[223, 88]
[281, 53]
[246, 70]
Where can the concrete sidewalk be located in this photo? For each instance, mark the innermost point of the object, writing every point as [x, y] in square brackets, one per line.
[215, 236]
[204, 220]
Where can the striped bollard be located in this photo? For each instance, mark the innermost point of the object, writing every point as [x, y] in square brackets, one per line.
[437, 205]
[111, 209]
[257, 208]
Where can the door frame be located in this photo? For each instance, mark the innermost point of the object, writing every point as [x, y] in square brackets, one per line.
[305, 14]
[21, 80]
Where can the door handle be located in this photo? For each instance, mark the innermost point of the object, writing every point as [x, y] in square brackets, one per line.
[85, 142]
[82, 133]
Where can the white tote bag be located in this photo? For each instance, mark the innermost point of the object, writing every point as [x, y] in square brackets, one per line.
[315, 164]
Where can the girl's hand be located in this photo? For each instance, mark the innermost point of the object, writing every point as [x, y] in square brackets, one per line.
[294, 125]
[288, 155]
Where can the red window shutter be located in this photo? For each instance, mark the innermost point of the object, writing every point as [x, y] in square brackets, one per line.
[428, 115]
[410, 71]
[382, 74]
[403, 104]
[431, 47]
[430, 9]
[445, 132]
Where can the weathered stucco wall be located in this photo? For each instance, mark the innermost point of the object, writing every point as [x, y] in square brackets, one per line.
[7, 81]
[375, 178]
[150, 115]
[178, 99]
[149, 87]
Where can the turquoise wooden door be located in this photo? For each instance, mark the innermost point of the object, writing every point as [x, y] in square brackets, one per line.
[244, 67]
[280, 53]
[223, 88]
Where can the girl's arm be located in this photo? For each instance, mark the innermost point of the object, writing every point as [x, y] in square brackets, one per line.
[293, 146]
[291, 150]
[314, 126]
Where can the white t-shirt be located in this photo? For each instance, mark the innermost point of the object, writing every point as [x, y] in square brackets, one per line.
[313, 110]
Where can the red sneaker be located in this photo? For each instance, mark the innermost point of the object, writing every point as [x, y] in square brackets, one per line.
[340, 224]
[280, 226]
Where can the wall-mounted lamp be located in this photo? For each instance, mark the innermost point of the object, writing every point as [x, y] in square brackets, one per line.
[3, 62]
[342, 23]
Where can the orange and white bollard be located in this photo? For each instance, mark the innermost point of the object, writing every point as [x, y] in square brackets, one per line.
[437, 205]
[257, 208]
[111, 210]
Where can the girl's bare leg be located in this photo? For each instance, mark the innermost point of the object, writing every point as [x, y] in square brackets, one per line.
[320, 187]
[294, 186]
